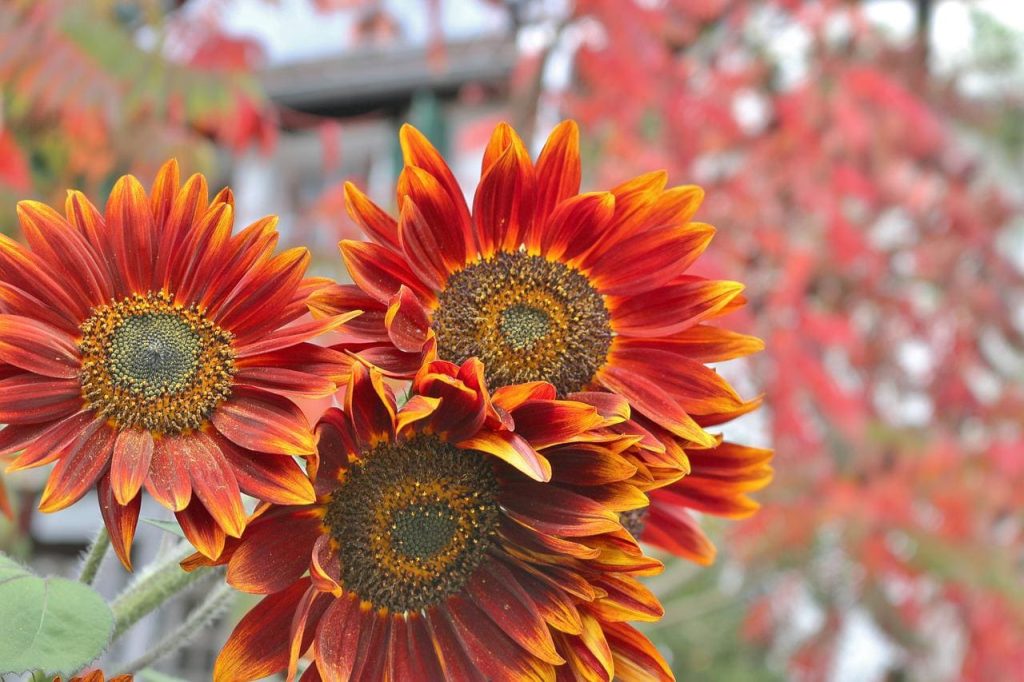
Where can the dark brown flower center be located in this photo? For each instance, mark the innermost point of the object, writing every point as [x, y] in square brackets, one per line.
[148, 362]
[634, 521]
[412, 520]
[527, 318]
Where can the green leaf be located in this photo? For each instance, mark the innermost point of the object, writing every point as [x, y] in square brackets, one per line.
[168, 526]
[51, 624]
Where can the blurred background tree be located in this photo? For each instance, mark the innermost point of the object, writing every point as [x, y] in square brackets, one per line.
[98, 88]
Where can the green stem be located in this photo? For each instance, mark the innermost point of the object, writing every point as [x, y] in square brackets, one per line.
[207, 613]
[156, 585]
[94, 556]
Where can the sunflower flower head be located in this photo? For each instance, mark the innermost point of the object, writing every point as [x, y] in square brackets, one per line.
[450, 539]
[150, 347]
[589, 292]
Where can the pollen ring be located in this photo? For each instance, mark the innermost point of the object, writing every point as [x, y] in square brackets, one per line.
[412, 520]
[527, 318]
[151, 363]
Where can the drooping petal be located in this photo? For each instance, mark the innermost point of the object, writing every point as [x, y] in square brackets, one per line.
[213, 481]
[168, 480]
[201, 529]
[129, 464]
[119, 519]
[407, 321]
[635, 657]
[492, 651]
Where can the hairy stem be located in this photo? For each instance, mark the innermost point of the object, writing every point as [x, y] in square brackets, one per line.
[94, 556]
[154, 586]
[205, 614]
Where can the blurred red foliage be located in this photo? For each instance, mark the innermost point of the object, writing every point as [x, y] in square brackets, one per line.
[867, 237]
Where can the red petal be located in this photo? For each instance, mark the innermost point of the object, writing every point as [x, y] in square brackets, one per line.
[558, 172]
[168, 480]
[264, 422]
[246, 249]
[30, 273]
[379, 271]
[78, 468]
[576, 224]
[120, 520]
[407, 321]
[270, 478]
[257, 303]
[259, 644]
[66, 250]
[417, 151]
[34, 399]
[50, 444]
[511, 448]
[553, 510]
[649, 260]
[274, 551]
[636, 659]
[293, 335]
[337, 638]
[37, 347]
[130, 227]
[213, 481]
[671, 308]
[129, 464]
[545, 423]
[671, 528]
[201, 529]
[496, 591]
[370, 406]
[696, 388]
[435, 231]
[654, 402]
[165, 187]
[503, 205]
[456, 662]
[493, 653]
[376, 223]
[307, 617]
[187, 208]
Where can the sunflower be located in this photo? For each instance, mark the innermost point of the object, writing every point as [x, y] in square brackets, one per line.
[542, 283]
[445, 543]
[150, 347]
